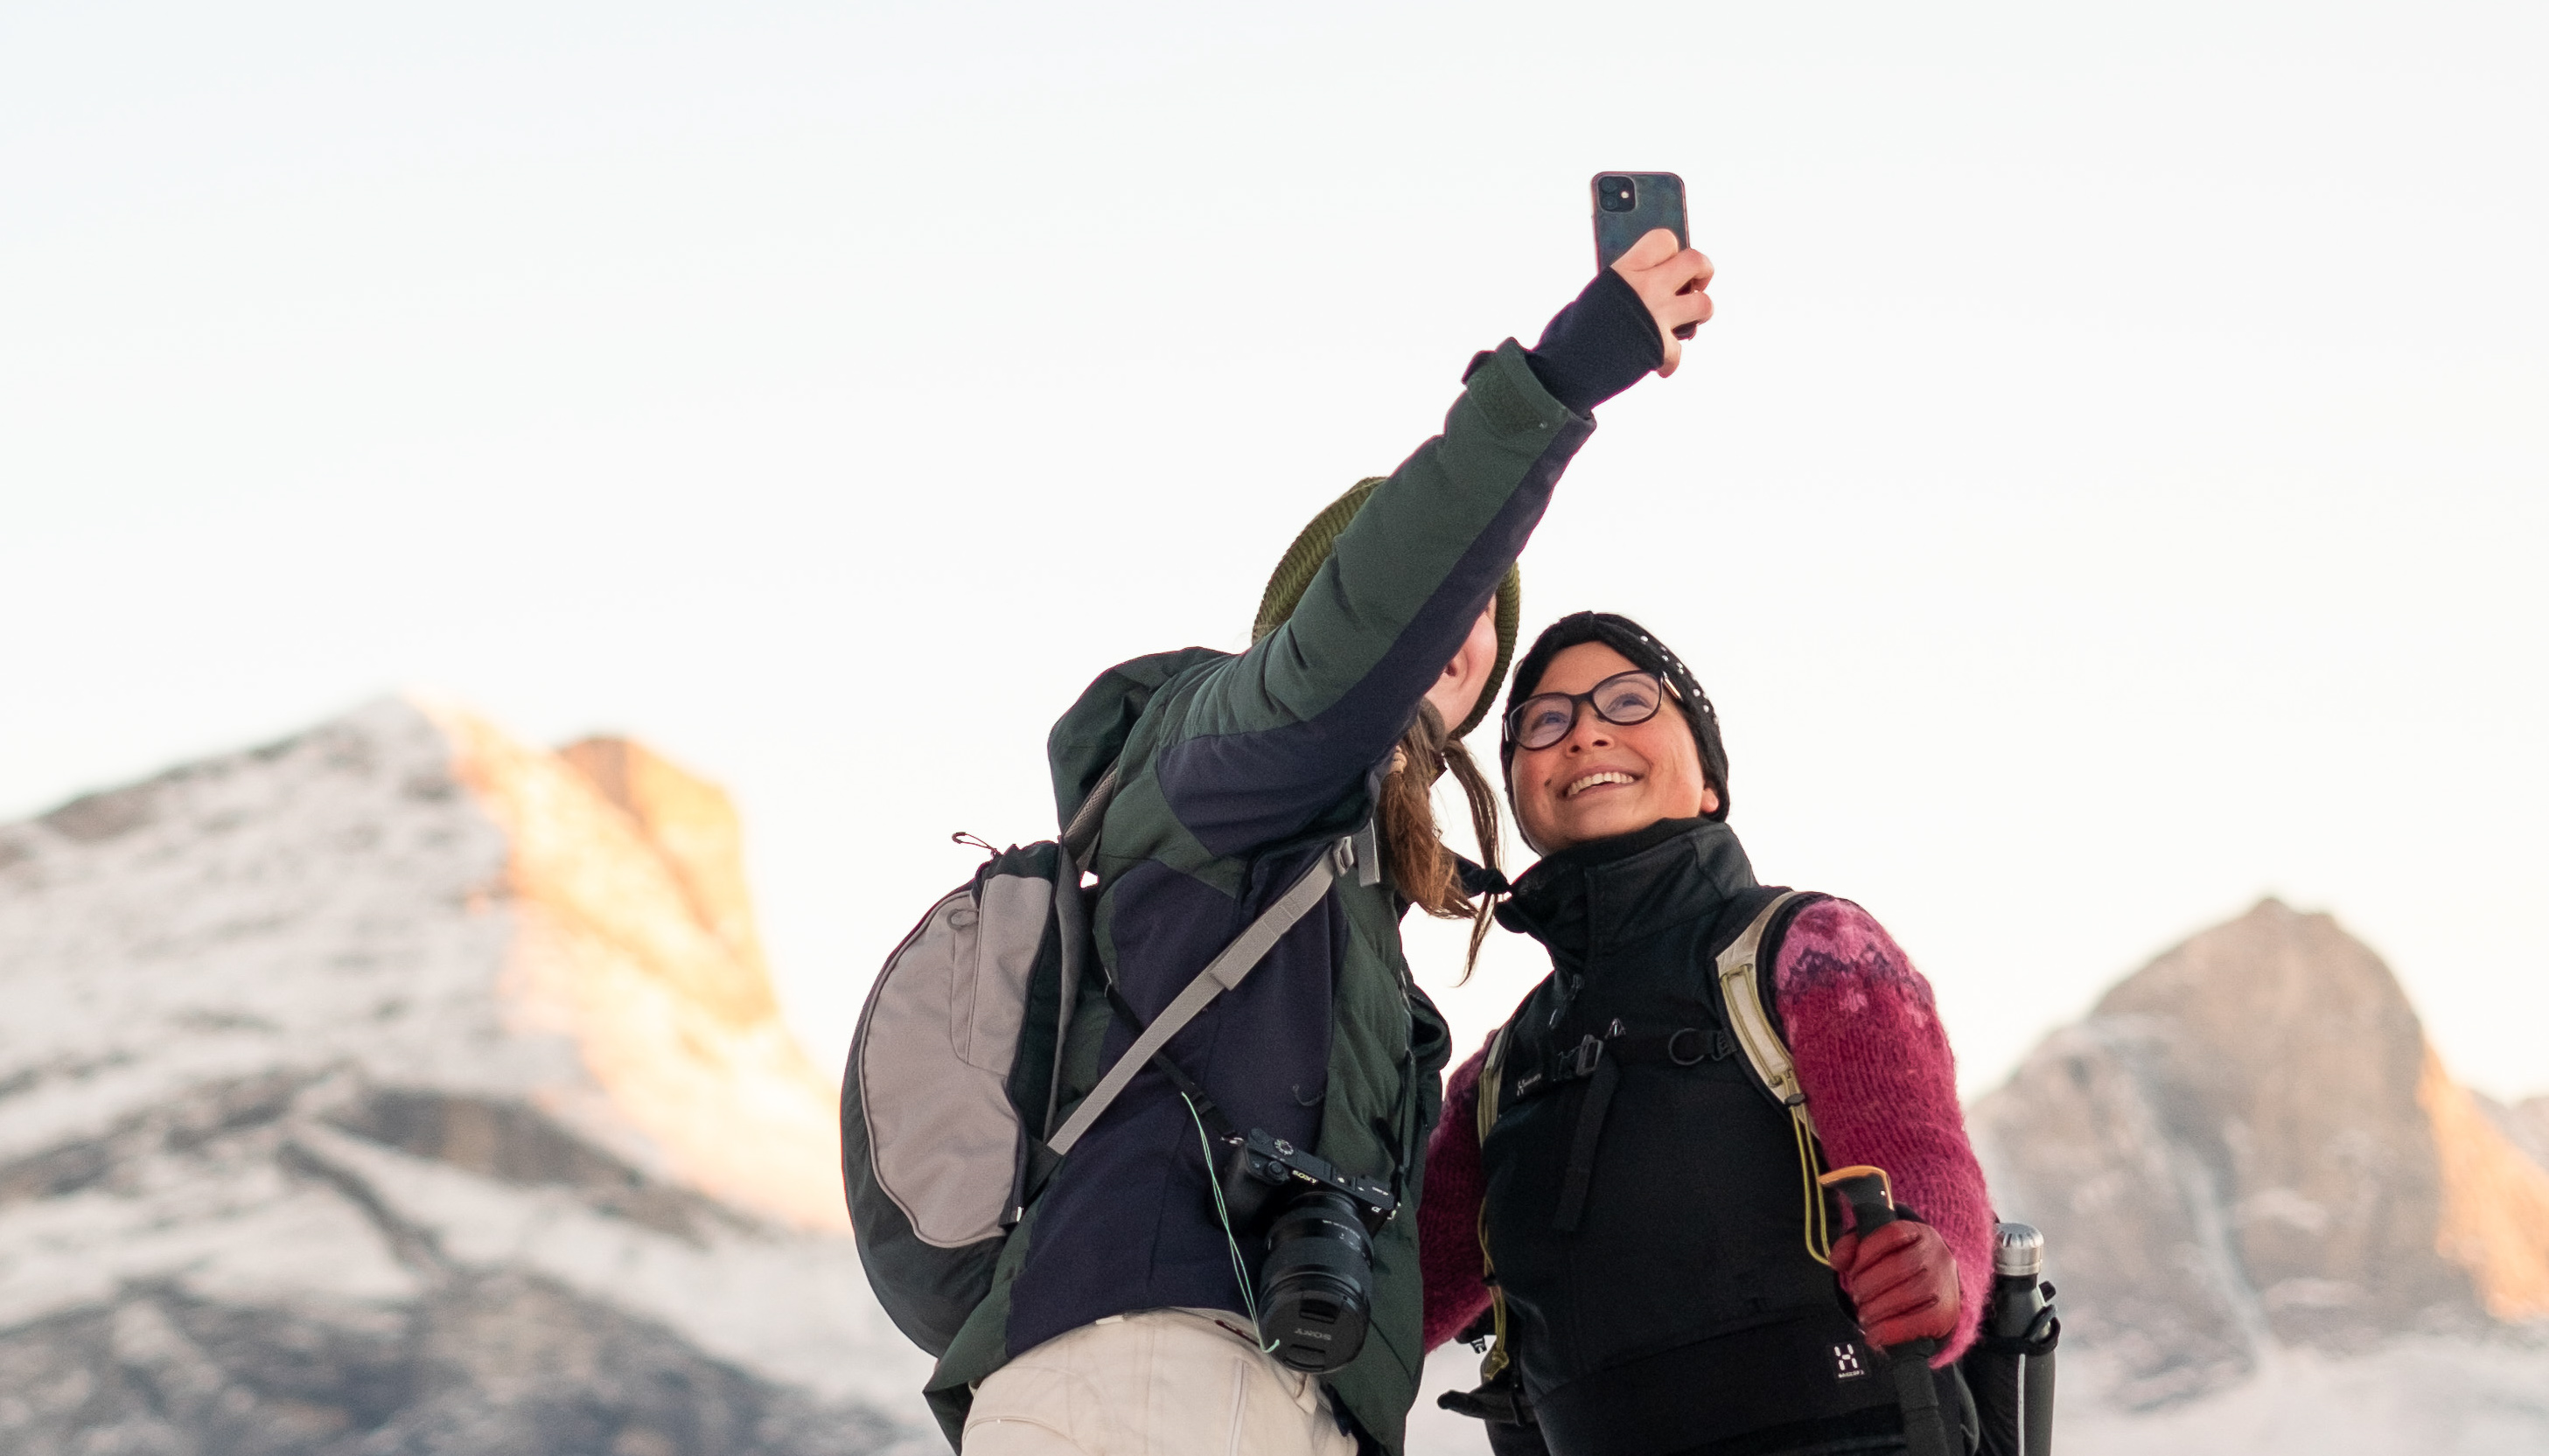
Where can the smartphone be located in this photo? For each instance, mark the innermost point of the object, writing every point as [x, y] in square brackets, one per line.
[1627, 206]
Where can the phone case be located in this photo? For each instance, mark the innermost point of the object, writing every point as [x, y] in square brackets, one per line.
[1656, 202]
[1653, 200]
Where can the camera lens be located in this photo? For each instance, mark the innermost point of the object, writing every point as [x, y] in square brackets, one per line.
[1619, 194]
[1317, 1298]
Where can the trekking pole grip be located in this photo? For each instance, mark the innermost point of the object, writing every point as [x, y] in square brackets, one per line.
[1870, 1195]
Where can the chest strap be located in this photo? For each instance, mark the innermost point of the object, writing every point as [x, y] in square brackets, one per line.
[1596, 1060]
[1681, 1046]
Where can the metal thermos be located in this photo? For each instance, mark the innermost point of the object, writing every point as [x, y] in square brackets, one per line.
[2011, 1368]
[2018, 1264]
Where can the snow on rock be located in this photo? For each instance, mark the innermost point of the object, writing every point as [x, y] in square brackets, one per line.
[402, 1088]
[2434, 1396]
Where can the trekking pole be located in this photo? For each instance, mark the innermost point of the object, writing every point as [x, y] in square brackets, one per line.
[1870, 1195]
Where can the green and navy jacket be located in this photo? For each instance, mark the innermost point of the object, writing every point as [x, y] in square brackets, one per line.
[1236, 770]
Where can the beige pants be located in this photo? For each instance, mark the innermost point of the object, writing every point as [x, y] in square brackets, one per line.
[1161, 1383]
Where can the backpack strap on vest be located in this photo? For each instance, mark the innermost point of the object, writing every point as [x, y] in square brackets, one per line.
[1492, 1080]
[1740, 975]
[1738, 978]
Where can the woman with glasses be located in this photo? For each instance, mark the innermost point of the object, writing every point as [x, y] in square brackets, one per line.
[1670, 1283]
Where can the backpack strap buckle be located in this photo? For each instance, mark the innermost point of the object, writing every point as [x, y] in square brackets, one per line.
[1359, 854]
[1579, 1062]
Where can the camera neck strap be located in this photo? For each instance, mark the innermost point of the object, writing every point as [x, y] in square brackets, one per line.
[1207, 1111]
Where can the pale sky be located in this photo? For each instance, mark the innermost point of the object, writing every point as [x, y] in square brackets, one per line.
[2113, 489]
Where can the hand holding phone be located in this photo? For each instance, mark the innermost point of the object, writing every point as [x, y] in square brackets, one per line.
[1641, 229]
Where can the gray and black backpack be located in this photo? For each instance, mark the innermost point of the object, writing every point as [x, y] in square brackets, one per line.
[954, 1071]
[952, 1105]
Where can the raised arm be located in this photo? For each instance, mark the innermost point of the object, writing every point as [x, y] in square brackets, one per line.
[1277, 736]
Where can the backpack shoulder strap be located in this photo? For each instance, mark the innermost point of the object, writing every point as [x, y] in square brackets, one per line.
[1491, 1081]
[1080, 836]
[1492, 1084]
[1740, 976]
[1357, 853]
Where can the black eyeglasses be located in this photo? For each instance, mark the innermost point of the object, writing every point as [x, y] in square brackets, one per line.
[1623, 699]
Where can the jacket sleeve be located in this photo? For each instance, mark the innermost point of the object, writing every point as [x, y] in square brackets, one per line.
[1274, 738]
[1447, 1218]
[1873, 1061]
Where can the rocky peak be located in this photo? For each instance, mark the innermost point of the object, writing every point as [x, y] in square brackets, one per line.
[2286, 1059]
[2249, 1145]
[404, 1088]
[633, 936]
[692, 825]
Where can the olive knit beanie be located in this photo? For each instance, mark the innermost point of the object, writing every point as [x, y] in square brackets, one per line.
[1309, 552]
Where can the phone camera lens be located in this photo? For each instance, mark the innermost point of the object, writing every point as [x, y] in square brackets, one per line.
[1619, 194]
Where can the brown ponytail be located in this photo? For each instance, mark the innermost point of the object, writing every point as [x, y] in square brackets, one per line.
[1412, 846]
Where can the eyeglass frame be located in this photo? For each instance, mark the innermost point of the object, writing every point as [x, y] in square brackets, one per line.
[1577, 702]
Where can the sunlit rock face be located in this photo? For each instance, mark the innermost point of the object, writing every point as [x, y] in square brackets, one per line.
[403, 1088]
[2272, 1214]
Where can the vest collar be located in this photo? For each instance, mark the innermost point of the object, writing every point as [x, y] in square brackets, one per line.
[1628, 886]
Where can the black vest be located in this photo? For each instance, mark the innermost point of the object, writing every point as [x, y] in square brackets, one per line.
[1645, 1203]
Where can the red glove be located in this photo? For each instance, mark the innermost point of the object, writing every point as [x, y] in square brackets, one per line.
[1903, 1280]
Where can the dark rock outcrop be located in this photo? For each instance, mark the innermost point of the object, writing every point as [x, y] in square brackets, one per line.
[490, 1362]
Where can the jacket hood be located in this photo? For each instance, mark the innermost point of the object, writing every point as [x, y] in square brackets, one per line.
[1087, 739]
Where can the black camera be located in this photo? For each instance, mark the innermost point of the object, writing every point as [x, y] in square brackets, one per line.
[1619, 194]
[1314, 1293]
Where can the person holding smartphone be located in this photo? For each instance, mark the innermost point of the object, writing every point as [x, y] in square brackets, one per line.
[1670, 1281]
[1121, 1318]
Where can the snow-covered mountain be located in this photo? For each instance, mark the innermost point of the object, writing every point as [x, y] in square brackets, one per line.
[2278, 1225]
[402, 1088]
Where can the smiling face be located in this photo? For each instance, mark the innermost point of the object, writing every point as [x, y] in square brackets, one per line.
[1603, 779]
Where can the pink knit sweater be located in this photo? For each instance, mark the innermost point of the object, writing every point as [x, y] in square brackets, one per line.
[1876, 1070]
